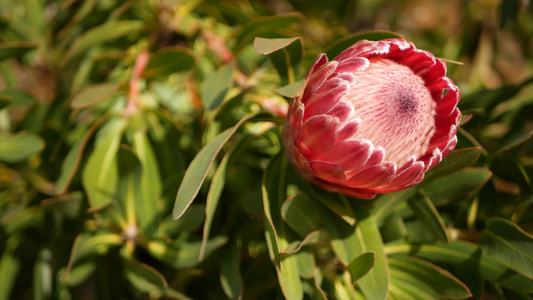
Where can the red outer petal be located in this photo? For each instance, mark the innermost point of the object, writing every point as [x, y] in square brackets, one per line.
[314, 132]
[321, 60]
[328, 171]
[351, 155]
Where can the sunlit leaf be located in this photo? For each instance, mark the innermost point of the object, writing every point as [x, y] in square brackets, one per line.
[286, 55]
[467, 256]
[200, 165]
[215, 87]
[385, 204]
[129, 186]
[361, 265]
[100, 174]
[93, 94]
[426, 278]
[268, 27]
[291, 90]
[9, 267]
[19, 147]
[509, 244]
[144, 277]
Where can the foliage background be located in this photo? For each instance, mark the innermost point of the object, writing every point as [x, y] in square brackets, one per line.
[105, 104]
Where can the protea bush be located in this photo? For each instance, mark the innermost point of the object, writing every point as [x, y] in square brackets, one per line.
[146, 150]
[374, 119]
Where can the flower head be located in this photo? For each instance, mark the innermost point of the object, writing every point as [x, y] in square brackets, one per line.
[373, 120]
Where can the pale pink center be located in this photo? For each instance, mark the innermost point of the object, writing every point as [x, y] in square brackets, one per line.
[396, 109]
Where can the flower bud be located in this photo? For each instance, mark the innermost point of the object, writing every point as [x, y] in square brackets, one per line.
[373, 120]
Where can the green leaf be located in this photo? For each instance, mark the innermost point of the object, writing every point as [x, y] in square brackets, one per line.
[191, 221]
[306, 263]
[375, 284]
[19, 147]
[69, 166]
[100, 175]
[467, 256]
[18, 98]
[453, 186]
[268, 26]
[291, 90]
[31, 216]
[9, 266]
[230, 275]
[429, 216]
[43, 276]
[5, 101]
[150, 186]
[509, 244]
[374, 35]
[200, 165]
[455, 161]
[167, 61]
[144, 277]
[385, 204]
[88, 243]
[273, 187]
[300, 214]
[216, 86]
[94, 94]
[129, 185]
[102, 33]
[514, 141]
[286, 55]
[182, 255]
[426, 278]
[15, 49]
[361, 265]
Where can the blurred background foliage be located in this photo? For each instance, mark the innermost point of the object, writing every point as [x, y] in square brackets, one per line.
[105, 104]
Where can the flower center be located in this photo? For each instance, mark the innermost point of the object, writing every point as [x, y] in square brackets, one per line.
[396, 109]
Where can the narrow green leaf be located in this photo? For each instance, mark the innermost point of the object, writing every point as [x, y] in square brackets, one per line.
[19, 147]
[191, 221]
[169, 60]
[102, 33]
[453, 186]
[514, 141]
[268, 26]
[150, 186]
[286, 55]
[289, 278]
[291, 90]
[509, 244]
[385, 204]
[68, 166]
[429, 216]
[9, 266]
[426, 278]
[129, 185]
[230, 275]
[93, 94]
[100, 175]
[374, 35]
[88, 243]
[15, 49]
[319, 237]
[375, 284]
[18, 98]
[144, 277]
[306, 263]
[455, 161]
[43, 276]
[182, 255]
[467, 256]
[31, 216]
[215, 87]
[200, 165]
[300, 214]
[361, 265]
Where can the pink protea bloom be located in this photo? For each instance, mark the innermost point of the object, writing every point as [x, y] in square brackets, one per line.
[373, 120]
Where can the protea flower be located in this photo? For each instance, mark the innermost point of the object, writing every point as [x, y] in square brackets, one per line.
[373, 120]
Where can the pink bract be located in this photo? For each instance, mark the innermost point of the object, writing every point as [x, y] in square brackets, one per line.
[373, 120]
